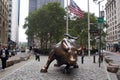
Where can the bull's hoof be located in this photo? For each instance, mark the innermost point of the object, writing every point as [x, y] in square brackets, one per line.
[43, 70]
[75, 66]
[66, 71]
[56, 65]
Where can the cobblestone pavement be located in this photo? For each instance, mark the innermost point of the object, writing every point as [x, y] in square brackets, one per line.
[86, 71]
[115, 56]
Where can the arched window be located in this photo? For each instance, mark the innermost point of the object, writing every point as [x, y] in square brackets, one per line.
[0, 20]
[3, 24]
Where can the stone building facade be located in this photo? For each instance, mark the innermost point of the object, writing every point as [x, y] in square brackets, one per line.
[3, 22]
[112, 9]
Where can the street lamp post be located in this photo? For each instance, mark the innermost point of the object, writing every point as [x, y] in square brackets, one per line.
[67, 19]
[88, 30]
[100, 37]
[100, 56]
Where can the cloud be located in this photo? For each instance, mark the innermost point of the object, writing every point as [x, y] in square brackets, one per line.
[23, 15]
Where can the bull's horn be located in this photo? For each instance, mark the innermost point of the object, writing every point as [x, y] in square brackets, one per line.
[71, 37]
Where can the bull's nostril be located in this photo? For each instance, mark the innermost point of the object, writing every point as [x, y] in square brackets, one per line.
[72, 59]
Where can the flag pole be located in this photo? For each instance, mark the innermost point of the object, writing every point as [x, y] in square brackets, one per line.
[67, 19]
[88, 30]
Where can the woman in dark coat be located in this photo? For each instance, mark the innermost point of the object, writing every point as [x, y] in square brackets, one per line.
[4, 56]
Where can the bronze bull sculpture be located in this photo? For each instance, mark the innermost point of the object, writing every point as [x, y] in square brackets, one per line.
[65, 52]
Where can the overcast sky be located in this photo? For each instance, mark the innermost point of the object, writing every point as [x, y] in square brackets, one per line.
[23, 15]
[83, 4]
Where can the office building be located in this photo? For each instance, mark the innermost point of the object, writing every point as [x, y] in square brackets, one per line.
[35, 4]
[13, 19]
[112, 20]
[118, 18]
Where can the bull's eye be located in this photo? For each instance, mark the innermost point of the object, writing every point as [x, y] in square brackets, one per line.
[75, 52]
[69, 50]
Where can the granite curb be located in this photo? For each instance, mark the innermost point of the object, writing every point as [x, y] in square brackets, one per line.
[17, 58]
[112, 67]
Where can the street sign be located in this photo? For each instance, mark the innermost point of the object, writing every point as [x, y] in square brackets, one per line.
[100, 20]
[94, 31]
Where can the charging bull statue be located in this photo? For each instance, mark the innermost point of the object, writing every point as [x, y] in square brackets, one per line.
[65, 52]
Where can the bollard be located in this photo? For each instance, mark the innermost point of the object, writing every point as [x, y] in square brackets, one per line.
[82, 59]
[94, 59]
[101, 57]
[82, 56]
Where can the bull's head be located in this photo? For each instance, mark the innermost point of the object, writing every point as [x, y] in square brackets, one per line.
[72, 55]
[71, 50]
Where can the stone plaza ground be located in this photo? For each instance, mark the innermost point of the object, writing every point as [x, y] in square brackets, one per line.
[30, 70]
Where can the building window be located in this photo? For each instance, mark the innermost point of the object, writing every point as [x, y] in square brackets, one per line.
[10, 5]
[9, 31]
[9, 15]
[0, 20]
[0, 8]
[9, 26]
[9, 21]
[10, 10]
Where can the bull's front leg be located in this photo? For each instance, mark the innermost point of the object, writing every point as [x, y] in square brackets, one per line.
[50, 59]
[76, 66]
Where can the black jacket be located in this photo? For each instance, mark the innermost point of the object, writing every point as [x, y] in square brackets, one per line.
[6, 53]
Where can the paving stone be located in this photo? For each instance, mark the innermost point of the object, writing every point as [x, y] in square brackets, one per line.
[86, 71]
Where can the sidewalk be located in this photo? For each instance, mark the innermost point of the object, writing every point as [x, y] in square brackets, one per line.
[115, 56]
[113, 60]
[112, 52]
[101, 72]
[16, 59]
[11, 69]
[86, 71]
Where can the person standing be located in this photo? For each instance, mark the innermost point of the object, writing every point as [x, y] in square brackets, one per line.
[4, 54]
[37, 54]
[30, 49]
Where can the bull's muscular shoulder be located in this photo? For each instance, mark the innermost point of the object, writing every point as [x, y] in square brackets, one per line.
[57, 45]
[62, 44]
[66, 43]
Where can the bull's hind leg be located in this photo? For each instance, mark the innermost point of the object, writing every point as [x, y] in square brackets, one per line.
[67, 69]
[50, 59]
[59, 62]
[76, 66]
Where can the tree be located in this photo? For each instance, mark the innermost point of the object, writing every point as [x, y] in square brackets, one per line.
[46, 24]
[79, 27]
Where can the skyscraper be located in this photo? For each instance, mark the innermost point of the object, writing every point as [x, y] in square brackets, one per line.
[13, 25]
[35, 4]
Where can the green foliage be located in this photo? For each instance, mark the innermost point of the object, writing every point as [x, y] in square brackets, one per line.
[79, 27]
[47, 24]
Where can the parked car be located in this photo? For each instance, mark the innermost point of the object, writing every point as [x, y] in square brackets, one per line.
[22, 49]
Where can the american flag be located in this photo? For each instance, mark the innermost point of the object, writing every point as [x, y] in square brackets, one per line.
[75, 9]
